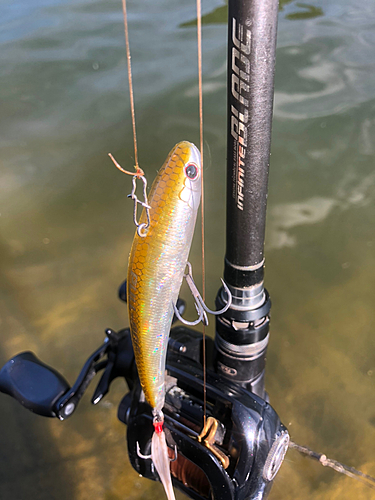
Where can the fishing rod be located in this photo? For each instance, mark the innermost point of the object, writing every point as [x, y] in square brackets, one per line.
[244, 443]
[242, 333]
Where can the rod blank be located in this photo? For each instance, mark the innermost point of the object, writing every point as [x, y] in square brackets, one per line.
[252, 27]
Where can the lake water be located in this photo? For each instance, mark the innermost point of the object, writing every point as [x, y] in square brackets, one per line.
[66, 224]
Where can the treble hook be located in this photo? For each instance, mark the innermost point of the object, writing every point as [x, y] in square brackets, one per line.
[141, 228]
[199, 302]
[139, 174]
[175, 454]
[201, 318]
[147, 457]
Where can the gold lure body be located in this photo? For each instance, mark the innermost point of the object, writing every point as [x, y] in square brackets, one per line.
[157, 263]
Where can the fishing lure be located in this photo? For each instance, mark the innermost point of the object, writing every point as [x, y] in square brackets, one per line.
[157, 262]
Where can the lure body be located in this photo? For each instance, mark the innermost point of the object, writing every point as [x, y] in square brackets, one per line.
[157, 262]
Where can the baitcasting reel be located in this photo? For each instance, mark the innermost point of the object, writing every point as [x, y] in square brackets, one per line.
[235, 458]
[244, 442]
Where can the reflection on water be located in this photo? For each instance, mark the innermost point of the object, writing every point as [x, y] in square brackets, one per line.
[283, 217]
[66, 226]
[350, 192]
[306, 12]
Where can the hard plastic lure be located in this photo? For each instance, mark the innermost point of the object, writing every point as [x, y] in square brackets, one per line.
[156, 268]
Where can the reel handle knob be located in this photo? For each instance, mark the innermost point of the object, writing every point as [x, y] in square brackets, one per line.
[32, 383]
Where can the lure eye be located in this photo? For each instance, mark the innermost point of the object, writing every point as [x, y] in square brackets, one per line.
[191, 171]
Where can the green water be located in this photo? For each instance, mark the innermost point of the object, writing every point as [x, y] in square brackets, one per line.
[66, 225]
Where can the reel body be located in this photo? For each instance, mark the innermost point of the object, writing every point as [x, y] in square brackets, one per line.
[237, 461]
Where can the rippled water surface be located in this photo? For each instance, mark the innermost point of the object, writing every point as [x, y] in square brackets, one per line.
[66, 225]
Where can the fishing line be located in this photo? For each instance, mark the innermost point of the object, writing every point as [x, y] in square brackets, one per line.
[200, 93]
[138, 174]
[138, 169]
[337, 466]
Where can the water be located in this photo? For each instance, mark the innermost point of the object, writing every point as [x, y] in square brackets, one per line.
[66, 226]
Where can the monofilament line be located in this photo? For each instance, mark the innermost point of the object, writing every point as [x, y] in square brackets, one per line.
[130, 84]
[200, 93]
[337, 466]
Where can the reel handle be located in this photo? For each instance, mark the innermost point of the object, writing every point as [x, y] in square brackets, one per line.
[32, 383]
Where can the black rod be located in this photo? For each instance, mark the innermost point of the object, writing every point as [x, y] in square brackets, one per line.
[252, 26]
[242, 332]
